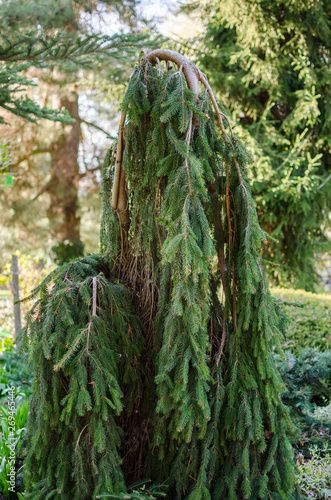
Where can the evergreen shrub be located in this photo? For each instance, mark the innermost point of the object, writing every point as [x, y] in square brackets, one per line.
[307, 378]
[143, 369]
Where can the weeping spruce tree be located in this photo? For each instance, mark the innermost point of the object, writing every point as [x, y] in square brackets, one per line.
[154, 374]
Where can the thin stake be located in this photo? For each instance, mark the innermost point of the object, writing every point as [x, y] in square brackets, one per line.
[94, 301]
[16, 297]
[118, 165]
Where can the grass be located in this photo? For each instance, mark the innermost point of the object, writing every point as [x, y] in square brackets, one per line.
[309, 317]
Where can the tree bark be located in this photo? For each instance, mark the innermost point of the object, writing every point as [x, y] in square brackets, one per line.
[63, 186]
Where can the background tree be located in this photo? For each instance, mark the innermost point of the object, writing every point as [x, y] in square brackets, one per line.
[270, 65]
[57, 150]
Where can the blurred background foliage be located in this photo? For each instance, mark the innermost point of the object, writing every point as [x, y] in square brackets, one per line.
[269, 62]
[308, 318]
[63, 68]
[66, 61]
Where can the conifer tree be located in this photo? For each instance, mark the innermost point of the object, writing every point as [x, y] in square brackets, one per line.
[167, 337]
[19, 51]
[268, 62]
[58, 36]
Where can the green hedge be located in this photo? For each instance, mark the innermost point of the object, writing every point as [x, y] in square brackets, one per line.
[309, 319]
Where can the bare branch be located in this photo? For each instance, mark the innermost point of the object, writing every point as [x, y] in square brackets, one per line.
[28, 155]
[324, 182]
[190, 70]
[94, 125]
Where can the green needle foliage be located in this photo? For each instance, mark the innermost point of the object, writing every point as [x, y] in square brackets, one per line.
[79, 358]
[206, 418]
[268, 61]
[18, 51]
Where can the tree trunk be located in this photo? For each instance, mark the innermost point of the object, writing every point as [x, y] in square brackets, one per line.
[63, 186]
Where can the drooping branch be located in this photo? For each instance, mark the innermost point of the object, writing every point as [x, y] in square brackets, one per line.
[190, 70]
[193, 76]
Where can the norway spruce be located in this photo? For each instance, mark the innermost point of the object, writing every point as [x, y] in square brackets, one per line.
[154, 366]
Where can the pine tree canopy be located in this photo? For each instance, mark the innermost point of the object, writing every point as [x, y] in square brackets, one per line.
[154, 361]
[19, 51]
[269, 63]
